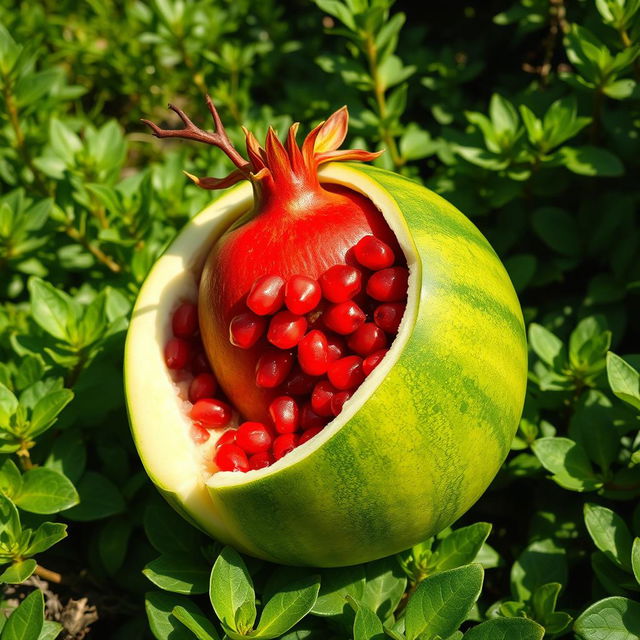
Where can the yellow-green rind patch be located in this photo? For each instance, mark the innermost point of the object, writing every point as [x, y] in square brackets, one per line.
[429, 440]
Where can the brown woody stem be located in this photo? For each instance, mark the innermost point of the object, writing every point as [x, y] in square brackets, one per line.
[94, 250]
[218, 139]
[48, 575]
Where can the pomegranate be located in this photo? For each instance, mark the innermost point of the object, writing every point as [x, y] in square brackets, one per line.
[289, 300]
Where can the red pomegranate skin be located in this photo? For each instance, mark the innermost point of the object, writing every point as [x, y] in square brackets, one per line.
[295, 228]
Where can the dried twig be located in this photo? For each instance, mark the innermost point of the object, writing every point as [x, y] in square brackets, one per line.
[218, 139]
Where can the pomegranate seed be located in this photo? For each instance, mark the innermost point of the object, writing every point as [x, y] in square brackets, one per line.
[231, 457]
[388, 285]
[338, 400]
[204, 385]
[284, 444]
[388, 316]
[298, 383]
[286, 329]
[309, 419]
[346, 373]
[313, 353]
[372, 361]
[211, 413]
[302, 294]
[228, 437]
[245, 329]
[273, 367]
[253, 437]
[373, 254]
[177, 353]
[266, 295]
[337, 347]
[367, 339]
[261, 460]
[185, 320]
[344, 317]
[200, 363]
[285, 414]
[199, 434]
[308, 434]
[321, 398]
[340, 282]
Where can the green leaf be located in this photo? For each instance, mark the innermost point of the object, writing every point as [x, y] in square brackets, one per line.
[179, 573]
[45, 536]
[561, 122]
[391, 73]
[442, 602]
[163, 624]
[620, 89]
[540, 563]
[504, 115]
[338, 10]
[46, 491]
[532, 124]
[64, 142]
[609, 533]
[557, 229]
[589, 343]
[47, 409]
[287, 607]
[624, 380]
[51, 309]
[68, 455]
[231, 591]
[10, 478]
[384, 587]
[544, 602]
[25, 623]
[506, 629]
[635, 559]
[169, 533]
[8, 405]
[99, 498]
[336, 584]
[31, 370]
[367, 625]
[591, 161]
[50, 630]
[33, 86]
[113, 541]
[197, 623]
[568, 462]
[521, 268]
[9, 518]
[610, 619]
[416, 143]
[547, 346]
[18, 572]
[615, 580]
[460, 546]
[592, 427]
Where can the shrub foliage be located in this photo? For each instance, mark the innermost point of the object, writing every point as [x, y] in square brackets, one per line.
[524, 115]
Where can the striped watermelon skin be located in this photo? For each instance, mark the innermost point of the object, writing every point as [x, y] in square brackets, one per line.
[430, 438]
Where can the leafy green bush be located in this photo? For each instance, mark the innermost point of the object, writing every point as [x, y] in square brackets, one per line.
[525, 116]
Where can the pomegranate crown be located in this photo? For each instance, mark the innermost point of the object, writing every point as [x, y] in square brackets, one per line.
[274, 163]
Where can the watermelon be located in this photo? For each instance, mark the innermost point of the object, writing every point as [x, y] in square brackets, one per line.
[415, 447]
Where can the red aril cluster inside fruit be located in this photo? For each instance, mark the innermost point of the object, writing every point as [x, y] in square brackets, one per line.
[316, 340]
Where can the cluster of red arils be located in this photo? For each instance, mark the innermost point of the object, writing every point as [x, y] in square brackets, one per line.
[320, 339]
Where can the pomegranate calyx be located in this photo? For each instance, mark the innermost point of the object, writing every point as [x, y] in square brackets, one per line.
[275, 164]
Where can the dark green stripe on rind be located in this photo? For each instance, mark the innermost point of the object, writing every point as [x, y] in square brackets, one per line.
[430, 438]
